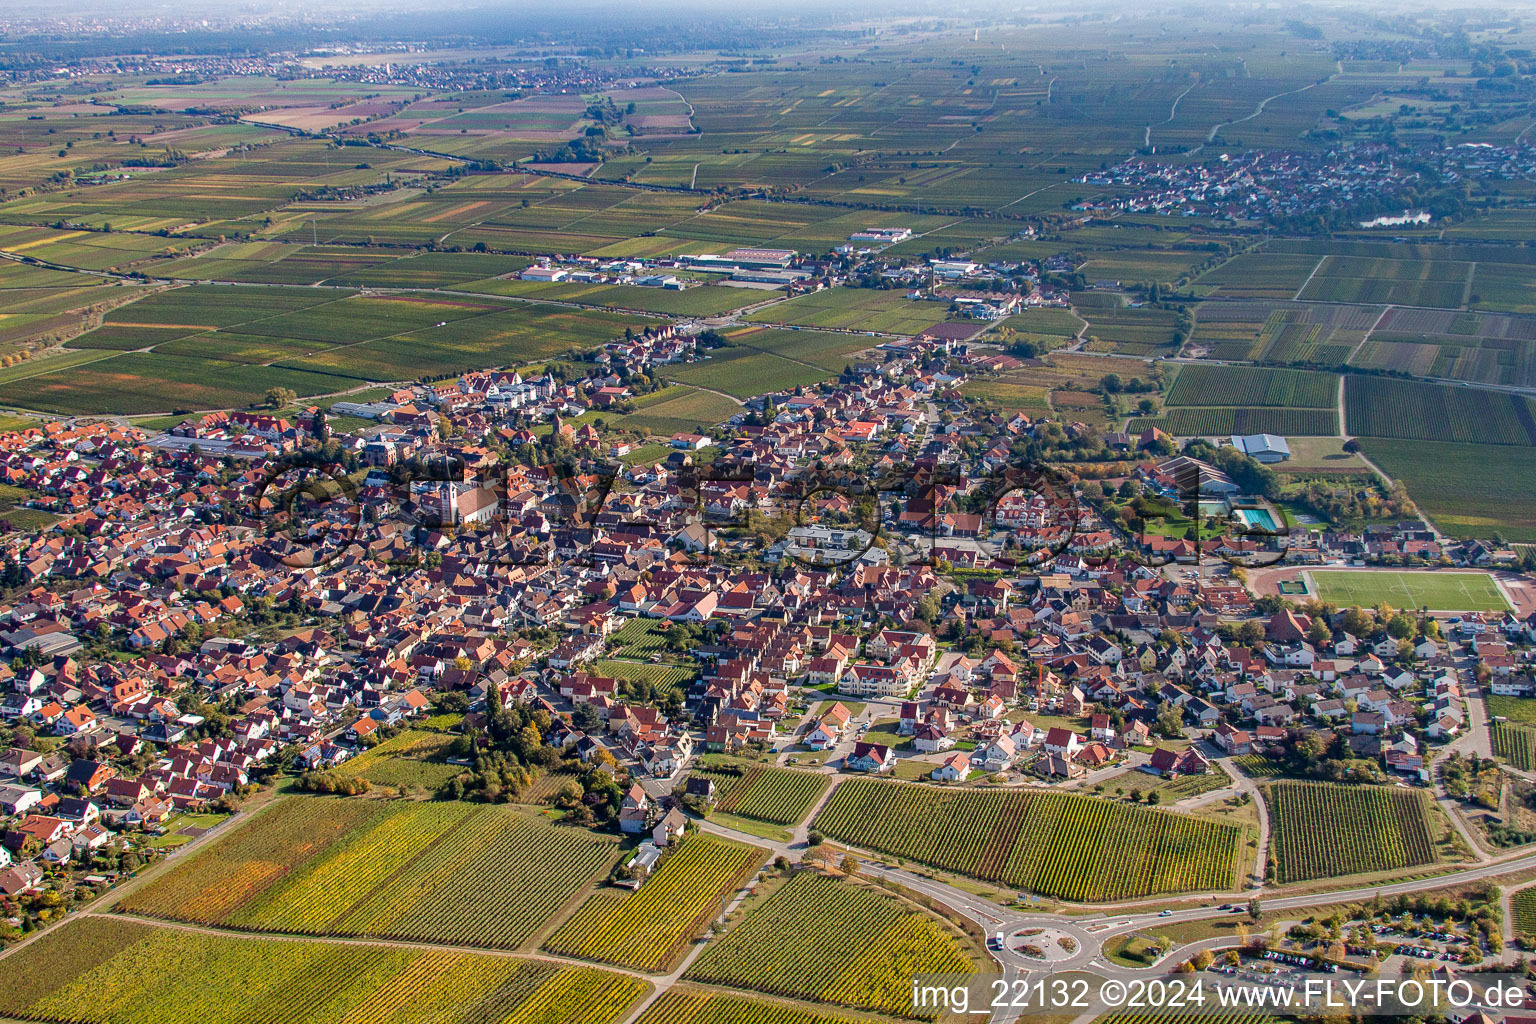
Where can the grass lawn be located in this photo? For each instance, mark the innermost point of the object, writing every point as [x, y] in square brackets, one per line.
[1516, 709]
[176, 826]
[1437, 591]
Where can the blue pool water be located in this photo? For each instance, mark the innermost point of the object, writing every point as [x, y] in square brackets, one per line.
[1258, 517]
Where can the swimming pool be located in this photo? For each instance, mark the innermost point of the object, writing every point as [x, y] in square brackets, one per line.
[1257, 517]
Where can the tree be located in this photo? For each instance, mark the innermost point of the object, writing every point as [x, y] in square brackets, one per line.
[278, 397]
[1318, 634]
[850, 865]
[1356, 621]
[1110, 382]
[1255, 910]
[1170, 721]
[1352, 446]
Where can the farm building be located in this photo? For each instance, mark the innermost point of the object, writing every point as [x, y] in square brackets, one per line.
[1262, 447]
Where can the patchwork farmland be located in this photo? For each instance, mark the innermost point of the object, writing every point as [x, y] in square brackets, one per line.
[324, 866]
[1219, 400]
[98, 970]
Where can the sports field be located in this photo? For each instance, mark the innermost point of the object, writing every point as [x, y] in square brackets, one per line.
[1437, 591]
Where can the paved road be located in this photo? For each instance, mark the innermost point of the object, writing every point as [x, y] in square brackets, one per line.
[1247, 785]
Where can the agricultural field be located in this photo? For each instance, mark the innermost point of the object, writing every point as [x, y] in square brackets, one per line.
[212, 347]
[665, 678]
[1280, 332]
[1312, 456]
[83, 250]
[411, 757]
[745, 372]
[1399, 282]
[677, 410]
[1136, 265]
[342, 266]
[1437, 591]
[1045, 321]
[1062, 382]
[1258, 766]
[1144, 331]
[429, 871]
[1414, 410]
[1322, 830]
[1216, 400]
[99, 970]
[796, 944]
[1515, 709]
[639, 638]
[1203, 384]
[1524, 905]
[683, 1005]
[1504, 287]
[828, 350]
[144, 382]
[1467, 490]
[1029, 399]
[856, 309]
[38, 305]
[701, 300]
[222, 195]
[1481, 348]
[650, 930]
[1259, 275]
[1514, 744]
[781, 796]
[1055, 844]
[1196, 421]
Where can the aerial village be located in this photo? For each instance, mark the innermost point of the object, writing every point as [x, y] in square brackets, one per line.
[200, 621]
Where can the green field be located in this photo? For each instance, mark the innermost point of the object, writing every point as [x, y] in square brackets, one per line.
[1524, 905]
[664, 677]
[745, 372]
[677, 410]
[1413, 410]
[1216, 384]
[856, 309]
[1513, 744]
[1437, 591]
[411, 757]
[1195, 420]
[1468, 490]
[215, 347]
[1520, 710]
[683, 1004]
[1056, 844]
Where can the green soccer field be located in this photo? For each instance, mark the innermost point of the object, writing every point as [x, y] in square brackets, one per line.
[1437, 591]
